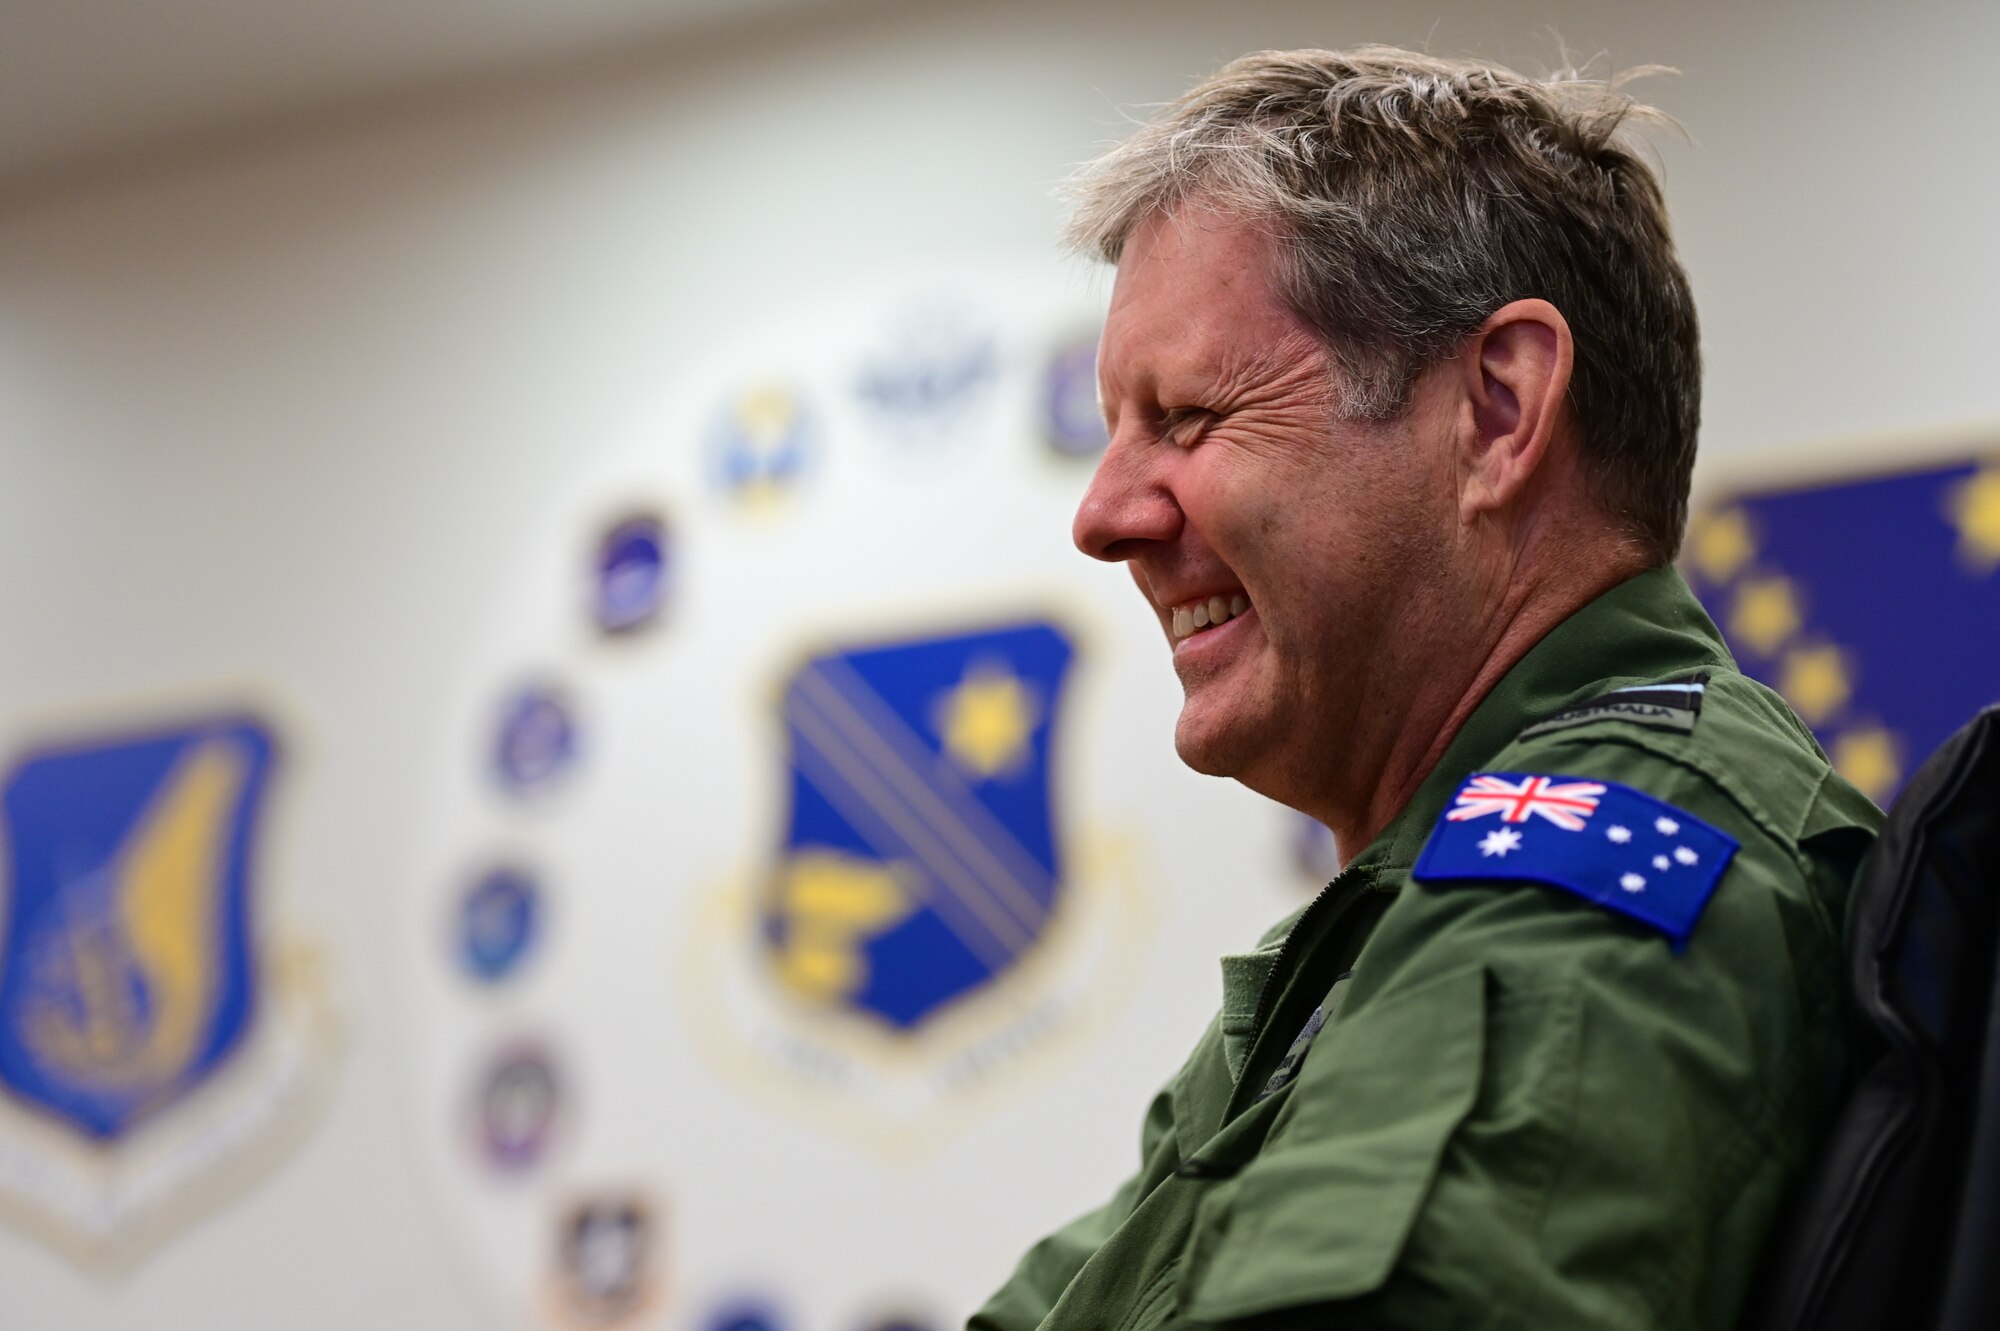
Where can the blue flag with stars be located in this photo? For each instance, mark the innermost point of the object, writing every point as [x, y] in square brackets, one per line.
[1606, 842]
[1872, 603]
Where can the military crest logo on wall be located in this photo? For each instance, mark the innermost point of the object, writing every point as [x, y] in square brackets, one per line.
[147, 1037]
[928, 377]
[923, 920]
[762, 444]
[631, 574]
[607, 1260]
[1072, 422]
[921, 859]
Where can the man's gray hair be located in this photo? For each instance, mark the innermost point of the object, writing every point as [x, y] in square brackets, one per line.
[1412, 197]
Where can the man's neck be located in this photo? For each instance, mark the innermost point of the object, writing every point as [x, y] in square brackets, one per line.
[1387, 767]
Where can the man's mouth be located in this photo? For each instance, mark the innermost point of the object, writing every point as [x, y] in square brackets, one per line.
[1200, 616]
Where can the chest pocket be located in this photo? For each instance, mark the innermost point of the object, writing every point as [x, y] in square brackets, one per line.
[1323, 1211]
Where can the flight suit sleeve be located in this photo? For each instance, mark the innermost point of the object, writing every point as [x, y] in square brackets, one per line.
[1047, 1269]
[1534, 1112]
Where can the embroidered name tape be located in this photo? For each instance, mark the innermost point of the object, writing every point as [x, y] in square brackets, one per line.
[1671, 706]
[1608, 843]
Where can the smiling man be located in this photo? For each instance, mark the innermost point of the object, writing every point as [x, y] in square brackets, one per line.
[1402, 380]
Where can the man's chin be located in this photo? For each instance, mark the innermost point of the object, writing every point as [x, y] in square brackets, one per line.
[1208, 747]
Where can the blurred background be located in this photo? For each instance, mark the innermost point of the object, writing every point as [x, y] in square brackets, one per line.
[506, 509]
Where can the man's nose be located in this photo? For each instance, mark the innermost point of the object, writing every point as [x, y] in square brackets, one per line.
[1127, 506]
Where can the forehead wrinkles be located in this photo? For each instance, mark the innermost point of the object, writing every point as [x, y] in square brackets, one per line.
[1194, 293]
[1214, 362]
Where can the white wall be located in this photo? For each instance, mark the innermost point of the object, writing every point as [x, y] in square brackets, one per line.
[268, 411]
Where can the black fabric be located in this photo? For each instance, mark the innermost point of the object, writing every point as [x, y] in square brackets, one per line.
[1897, 1224]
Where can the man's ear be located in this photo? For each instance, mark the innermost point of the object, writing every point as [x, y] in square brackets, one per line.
[1515, 373]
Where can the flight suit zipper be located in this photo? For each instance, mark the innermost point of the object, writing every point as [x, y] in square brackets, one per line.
[1316, 926]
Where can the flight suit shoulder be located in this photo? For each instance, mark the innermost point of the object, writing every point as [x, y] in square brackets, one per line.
[1728, 729]
[1734, 733]
[1697, 807]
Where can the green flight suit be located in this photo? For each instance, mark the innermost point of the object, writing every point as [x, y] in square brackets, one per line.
[1524, 1109]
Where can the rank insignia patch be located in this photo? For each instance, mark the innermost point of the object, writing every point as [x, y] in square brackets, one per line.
[1608, 843]
[921, 856]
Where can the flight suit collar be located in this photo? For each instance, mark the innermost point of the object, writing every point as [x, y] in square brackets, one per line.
[1649, 627]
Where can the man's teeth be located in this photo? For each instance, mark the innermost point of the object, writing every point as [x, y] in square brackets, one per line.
[1198, 615]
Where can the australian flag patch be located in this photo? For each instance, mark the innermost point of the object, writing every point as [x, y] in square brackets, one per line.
[1607, 843]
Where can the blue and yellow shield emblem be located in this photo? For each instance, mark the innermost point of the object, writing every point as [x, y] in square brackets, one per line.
[921, 859]
[127, 975]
